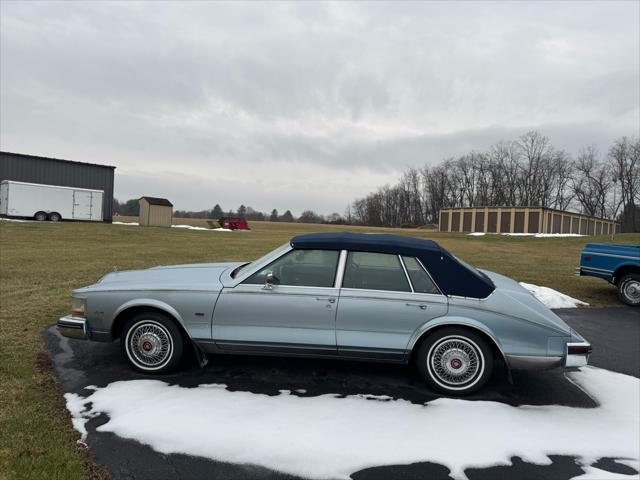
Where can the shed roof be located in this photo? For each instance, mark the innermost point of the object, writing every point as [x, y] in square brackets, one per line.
[158, 201]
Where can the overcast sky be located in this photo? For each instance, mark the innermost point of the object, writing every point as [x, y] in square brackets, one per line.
[307, 105]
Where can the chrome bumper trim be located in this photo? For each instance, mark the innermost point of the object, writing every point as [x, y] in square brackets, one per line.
[533, 362]
[577, 360]
[73, 327]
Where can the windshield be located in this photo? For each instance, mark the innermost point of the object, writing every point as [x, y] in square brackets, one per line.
[260, 260]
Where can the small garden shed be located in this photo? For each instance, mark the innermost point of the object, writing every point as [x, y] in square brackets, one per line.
[155, 212]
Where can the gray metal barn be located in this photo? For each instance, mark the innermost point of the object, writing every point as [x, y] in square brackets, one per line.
[66, 173]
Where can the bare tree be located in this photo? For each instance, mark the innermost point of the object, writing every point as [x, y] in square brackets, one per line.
[592, 182]
[624, 157]
[527, 172]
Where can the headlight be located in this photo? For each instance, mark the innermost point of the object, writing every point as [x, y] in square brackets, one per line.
[78, 307]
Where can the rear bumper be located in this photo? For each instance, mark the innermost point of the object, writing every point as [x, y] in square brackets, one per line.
[577, 354]
[73, 327]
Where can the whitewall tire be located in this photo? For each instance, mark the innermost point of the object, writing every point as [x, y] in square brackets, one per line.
[152, 343]
[455, 361]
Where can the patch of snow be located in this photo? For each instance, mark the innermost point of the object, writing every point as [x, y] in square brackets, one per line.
[191, 227]
[13, 220]
[544, 235]
[188, 227]
[330, 436]
[534, 235]
[552, 298]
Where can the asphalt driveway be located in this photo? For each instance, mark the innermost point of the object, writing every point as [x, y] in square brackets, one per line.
[614, 333]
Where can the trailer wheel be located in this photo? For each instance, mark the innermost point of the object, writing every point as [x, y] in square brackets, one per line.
[40, 217]
[54, 217]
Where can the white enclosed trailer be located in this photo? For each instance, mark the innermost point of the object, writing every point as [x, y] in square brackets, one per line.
[49, 202]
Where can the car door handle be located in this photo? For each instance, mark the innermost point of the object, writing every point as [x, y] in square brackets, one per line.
[419, 305]
[330, 300]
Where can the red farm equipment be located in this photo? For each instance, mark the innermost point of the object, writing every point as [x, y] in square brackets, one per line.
[234, 223]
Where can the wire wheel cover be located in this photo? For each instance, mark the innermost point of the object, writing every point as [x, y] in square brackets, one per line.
[150, 344]
[455, 361]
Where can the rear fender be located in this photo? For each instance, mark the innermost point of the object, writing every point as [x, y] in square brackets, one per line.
[453, 321]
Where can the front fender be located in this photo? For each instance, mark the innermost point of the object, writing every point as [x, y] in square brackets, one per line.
[148, 302]
[152, 303]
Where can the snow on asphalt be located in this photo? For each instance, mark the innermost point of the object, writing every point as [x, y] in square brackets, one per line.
[552, 298]
[330, 436]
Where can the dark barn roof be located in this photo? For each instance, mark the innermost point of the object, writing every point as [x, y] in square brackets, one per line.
[40, 157]
[158, 201]
[452, 277]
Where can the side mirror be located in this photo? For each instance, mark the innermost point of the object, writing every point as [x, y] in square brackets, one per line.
[268, 281]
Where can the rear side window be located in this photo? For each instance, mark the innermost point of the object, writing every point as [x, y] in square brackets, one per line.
[420, 279]
[304, 268]
[375, 271]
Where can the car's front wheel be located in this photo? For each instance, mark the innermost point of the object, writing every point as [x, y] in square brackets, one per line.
[152, 343]
[455, 361]
[629, 289]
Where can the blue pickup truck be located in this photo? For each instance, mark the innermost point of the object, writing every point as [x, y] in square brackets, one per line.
[617, 264]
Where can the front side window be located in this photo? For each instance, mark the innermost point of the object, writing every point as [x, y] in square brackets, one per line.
[420, 279]
[375, 271]
[303, 268]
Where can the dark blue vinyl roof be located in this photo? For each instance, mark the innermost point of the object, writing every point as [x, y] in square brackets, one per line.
[380, 242]
[452, 277]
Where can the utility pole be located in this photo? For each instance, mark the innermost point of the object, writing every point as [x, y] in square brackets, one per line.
[615, 209]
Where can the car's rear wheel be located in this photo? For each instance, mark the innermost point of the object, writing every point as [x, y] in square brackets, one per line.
[152, 343]
[54, 217]
[629, 289]
[455, 361]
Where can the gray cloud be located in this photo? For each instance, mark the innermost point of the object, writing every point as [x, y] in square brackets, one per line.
[310, 104]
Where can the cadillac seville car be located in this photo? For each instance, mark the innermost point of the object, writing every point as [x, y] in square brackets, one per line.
[373, 297]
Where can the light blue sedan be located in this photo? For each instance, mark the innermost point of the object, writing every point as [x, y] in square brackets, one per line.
[374, 297]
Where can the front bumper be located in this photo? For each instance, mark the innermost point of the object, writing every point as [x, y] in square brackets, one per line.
[73, 327]
[577, 354]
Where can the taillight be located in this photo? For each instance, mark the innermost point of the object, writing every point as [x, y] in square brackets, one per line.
[579, 350]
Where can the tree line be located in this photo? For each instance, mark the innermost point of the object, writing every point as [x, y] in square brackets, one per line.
[131, 208]
[529, 171]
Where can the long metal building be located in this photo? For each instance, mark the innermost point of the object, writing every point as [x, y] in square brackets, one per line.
[522, 220]
[55, 171]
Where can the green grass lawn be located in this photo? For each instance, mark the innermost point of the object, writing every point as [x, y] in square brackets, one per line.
[40, 263]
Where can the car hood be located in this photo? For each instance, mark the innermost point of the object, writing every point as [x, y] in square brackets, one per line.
[197, 276]
[513, 299]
